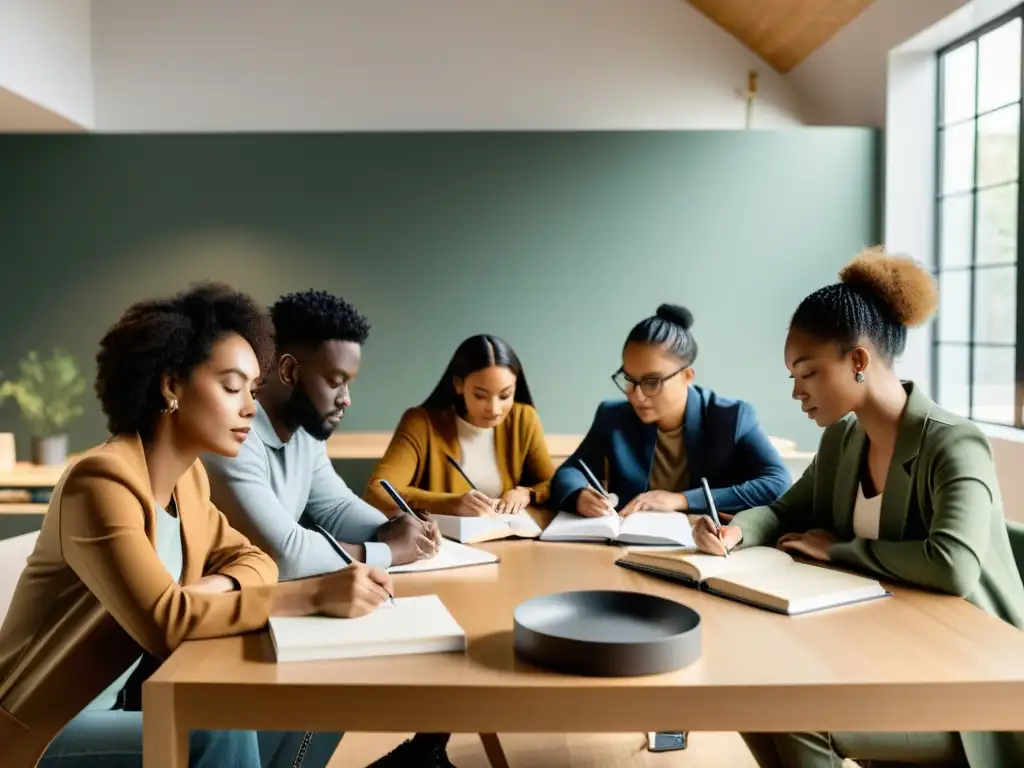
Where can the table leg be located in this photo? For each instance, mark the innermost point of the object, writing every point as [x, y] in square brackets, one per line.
[495, 753]
[164, 742]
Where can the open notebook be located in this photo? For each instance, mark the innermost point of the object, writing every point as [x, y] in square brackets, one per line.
[450, 555]
[470, 530]
[657, 528]
[761, 576]
[410, 625]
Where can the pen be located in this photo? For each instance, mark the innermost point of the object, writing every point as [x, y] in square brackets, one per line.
[342, 553]
[593, 480]
[398, 499]
[461, 471]
[714, 511]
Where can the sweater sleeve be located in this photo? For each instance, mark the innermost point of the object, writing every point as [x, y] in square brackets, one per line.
[763, 525]
[765, 477]
[229, 552]
[403, 465]
[104, 541]
[243, 491]
[538, 469]
[949, 559]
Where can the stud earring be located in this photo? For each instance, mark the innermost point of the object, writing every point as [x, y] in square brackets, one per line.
[172, 406]
[859, 377]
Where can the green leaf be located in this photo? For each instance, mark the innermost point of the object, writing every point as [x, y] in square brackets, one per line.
[47, 392]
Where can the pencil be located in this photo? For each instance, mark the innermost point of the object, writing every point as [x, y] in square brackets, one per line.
[342, 553]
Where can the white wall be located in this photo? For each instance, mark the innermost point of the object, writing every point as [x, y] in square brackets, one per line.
[266, 65]
[910, 171]
[844, 81]
[45, 55]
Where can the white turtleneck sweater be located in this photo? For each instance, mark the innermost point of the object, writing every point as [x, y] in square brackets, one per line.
[479, 459]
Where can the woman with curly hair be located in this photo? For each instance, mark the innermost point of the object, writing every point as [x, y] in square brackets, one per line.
[133, 559]
[899, 488]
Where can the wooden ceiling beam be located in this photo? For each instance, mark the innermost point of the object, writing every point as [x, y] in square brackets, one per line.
[782, 32]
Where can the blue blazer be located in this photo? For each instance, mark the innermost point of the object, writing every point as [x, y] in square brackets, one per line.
[724, 443]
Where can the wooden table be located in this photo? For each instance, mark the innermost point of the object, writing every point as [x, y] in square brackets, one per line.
[913, 662]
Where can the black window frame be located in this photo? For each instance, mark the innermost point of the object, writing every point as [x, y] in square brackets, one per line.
[971, 344]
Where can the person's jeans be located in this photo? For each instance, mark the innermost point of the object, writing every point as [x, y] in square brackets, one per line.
[113, 739]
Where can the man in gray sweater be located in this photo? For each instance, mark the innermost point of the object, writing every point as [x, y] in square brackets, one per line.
[282, 492]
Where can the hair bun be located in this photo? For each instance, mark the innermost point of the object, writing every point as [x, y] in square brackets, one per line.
[905, 287]
[674, 313]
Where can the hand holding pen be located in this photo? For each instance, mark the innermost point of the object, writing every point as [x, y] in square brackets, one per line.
[366, 582]
[594, 500]
[708, 532]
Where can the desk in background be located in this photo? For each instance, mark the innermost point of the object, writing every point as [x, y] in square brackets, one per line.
[31, 478]
[371, 445]
[915, 661]
[342, 446]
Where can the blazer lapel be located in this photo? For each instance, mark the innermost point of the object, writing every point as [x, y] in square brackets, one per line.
[634, 457]
[188, 506]
[847, 478]
[899, 480]
[694, 436]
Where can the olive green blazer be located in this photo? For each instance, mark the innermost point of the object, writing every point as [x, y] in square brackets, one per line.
[941, 527]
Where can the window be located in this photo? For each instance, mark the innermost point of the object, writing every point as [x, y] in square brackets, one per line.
[978, 366]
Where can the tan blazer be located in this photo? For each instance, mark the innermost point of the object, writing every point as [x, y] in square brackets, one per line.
[416, 464]
[94, 595]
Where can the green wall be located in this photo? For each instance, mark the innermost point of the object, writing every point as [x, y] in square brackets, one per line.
[558, 242]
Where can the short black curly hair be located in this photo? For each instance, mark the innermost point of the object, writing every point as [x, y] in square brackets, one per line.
[309, 318]
[157, 337]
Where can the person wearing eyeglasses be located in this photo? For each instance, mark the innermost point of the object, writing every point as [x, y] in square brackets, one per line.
[654, 447]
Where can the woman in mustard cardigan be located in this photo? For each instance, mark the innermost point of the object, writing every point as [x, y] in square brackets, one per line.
[481, 415]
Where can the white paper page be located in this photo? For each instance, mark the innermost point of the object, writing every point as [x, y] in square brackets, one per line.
[523, 524]
[754, 560]
[657, 528]
[799, 587]
[568, 526]
[410, 625]
[451, 555]
[464, 529]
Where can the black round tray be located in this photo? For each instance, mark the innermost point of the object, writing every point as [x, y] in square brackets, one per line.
[606, 633]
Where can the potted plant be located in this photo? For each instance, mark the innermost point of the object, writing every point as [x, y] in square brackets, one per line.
[47, 392]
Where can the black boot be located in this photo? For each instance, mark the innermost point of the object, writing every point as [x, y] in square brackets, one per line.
[424, 750]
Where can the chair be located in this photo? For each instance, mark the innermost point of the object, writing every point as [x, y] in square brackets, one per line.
[14, 553]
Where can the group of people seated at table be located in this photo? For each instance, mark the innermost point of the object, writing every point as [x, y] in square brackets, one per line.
[209, 508]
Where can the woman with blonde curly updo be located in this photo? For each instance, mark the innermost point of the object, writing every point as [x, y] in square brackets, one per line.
[899, 488]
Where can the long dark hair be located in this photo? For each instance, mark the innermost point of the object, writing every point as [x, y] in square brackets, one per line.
[475, 354]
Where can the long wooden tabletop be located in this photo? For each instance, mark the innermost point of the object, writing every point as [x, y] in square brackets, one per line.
[915, 661]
